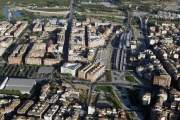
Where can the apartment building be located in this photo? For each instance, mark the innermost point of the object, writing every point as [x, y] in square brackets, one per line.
[53, 99]
[33, 61]
[71, 68]
[15, 117]
[18, 32]
[61, 36]
[90, 55]
[38, 109]
[161, 81]
[91, 72]
[57, 48]
[44, 92]
[11, 105]
[2, 117]
[37, 27]
[77, 55]
[16, 56]
[83, 72]
[174, 95]
[95, 42]
[25, 107]
[95, 73]
[146, 98]
[74, 116]
[51, 112]
[102, 112]
[24, 24]
[36, 54]
[53, 25]
[70, 92]
[48, 61]
[166, 15]
[6, 42]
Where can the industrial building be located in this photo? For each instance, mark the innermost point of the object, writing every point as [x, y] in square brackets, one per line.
[20, 84]
[71, 68]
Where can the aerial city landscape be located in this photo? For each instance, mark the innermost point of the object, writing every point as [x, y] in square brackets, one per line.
[89, 60]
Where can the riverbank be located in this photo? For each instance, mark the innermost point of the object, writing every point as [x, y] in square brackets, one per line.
[2, 14]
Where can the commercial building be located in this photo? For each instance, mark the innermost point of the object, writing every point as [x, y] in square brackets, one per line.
[19, 84]
[38, 109]
[25, 107]
[71, 68]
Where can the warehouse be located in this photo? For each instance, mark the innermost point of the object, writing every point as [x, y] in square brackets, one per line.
[20, 84]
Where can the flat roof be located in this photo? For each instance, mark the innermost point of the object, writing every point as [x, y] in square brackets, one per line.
[71, 65]
[20, 82]
[22, 89]
[45, 69]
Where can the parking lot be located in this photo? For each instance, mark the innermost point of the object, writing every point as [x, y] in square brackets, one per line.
[103, 57]
[28, 71]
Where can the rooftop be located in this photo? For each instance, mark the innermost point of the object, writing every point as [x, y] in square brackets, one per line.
[45, 69]
[71, 65]
[20, 82]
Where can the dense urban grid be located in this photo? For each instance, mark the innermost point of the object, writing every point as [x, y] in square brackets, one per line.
[90, 60]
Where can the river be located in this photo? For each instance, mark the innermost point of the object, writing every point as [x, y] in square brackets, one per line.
[7, 12]
[16, 14]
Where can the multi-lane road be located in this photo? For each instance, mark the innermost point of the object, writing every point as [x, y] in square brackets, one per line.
[70, 20]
